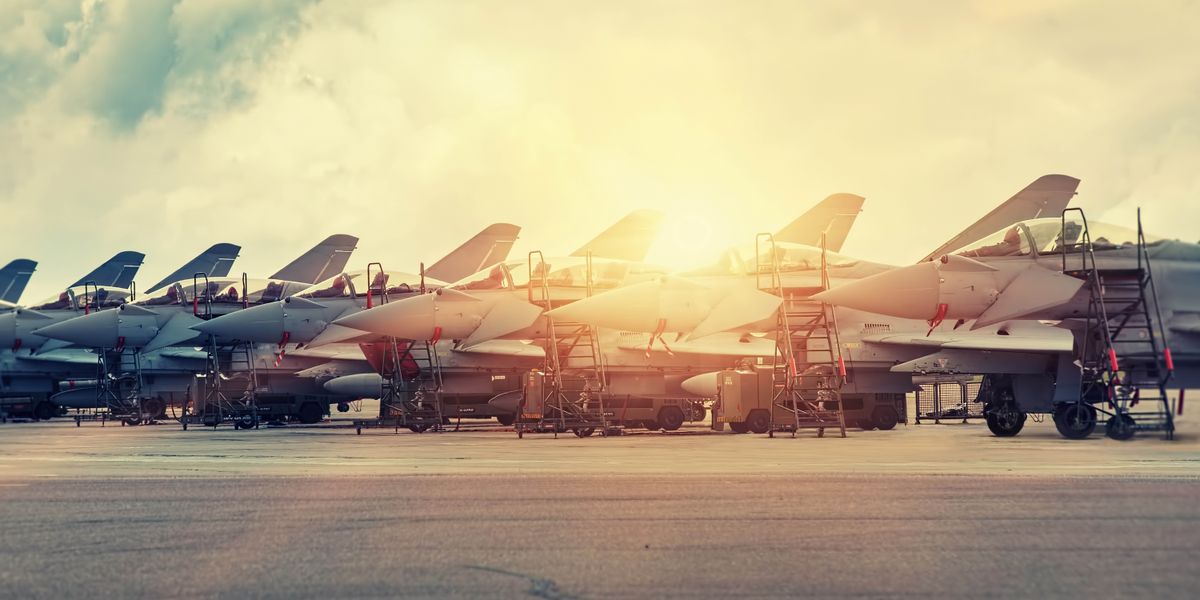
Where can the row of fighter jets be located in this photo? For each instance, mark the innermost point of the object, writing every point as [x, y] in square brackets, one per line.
[997, 300]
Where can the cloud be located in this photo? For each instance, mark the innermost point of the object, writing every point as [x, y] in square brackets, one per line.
[165, 127]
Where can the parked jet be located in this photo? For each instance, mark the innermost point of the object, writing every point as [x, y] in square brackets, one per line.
[1131, 302]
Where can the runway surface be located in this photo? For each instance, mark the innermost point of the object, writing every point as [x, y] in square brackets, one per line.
[321, 512]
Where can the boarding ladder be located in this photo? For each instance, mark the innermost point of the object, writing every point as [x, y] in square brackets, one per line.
[567, 394]
[1125, 363]
[807, 370]
[411, 394]
[227, 390]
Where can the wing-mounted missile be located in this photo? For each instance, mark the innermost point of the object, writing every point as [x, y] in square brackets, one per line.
[957, 287]
[672, 305]
[128, 325]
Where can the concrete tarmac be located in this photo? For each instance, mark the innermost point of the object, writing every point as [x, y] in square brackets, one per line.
[321, 512]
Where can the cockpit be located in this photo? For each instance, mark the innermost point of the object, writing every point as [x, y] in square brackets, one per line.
[558, 272]
[741, 260]
[221, 290]
[1051, 236]
[88, 296]
[354, 284]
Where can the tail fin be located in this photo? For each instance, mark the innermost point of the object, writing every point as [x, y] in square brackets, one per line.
[487, 248]
[117, 271]
[627, 239]
[1047, 196]
[216, 262]
[13, 278]
[322, 262]
[833, 216]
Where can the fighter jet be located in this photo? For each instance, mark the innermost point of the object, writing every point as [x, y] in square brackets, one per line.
[165, 315]
[305, 317]
[13, 278]
[1129, 302]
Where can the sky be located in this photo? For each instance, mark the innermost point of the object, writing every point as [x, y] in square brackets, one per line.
[165, 126]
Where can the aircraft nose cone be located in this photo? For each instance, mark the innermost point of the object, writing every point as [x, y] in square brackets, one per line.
[910, 292]
[359, 385]
[97, 330]
[262, 324]
[703, 385]
[412, 318]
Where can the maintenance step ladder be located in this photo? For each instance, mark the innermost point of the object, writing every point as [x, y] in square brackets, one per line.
[412, 388]
[807, 371]
[567, 393]
[1123, 356]
[227, 391]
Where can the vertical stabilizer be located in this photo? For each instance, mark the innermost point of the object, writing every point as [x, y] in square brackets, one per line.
[1045, 197]
[215, 262]
[833, 216]
[13, 278]
[117, 271]
[487, 248]
[627, 239]
[323, 261]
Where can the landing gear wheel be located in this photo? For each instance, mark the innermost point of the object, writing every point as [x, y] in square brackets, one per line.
[422, 428]
[309, 413]
[245, 422]
[343, 407]
[44, 411]
[758, 421]
[132, 421]
[1075, 421]
[1005, 420]
[885, 418]
[698, 412]
[506, 420]
[1120, 428]
[671, 418]
[153, 408]
[866, 424]
[739, 427]
[584, 431]
[651, 425]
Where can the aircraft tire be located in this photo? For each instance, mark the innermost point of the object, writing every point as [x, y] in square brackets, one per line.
[1120, 428]
[506, 420]
[671, 418]
[583, 431]
[885, 418]
[739, 427]
[699, 412]
[153, 408]
[866, 424]
[45, 410]
[1075, 421]
[422, 428]
[309, 413]
[343, 407]
[1005, 421]
[651, 425]
[758, 421]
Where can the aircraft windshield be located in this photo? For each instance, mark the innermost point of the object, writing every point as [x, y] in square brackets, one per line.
[792, 258]
[559, 272]
[355, 282]
[227, 290]
[1050, 236]
[104, 297]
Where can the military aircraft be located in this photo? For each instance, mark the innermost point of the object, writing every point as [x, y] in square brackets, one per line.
[1129, 304]
[13, 278]
[477, 325]
[697, 304]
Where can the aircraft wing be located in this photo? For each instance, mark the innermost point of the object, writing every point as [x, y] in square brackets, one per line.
[62, 357]
[717, 344]
[1062, 342]
[1045, 197]
[628, 239]
[513, 348]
